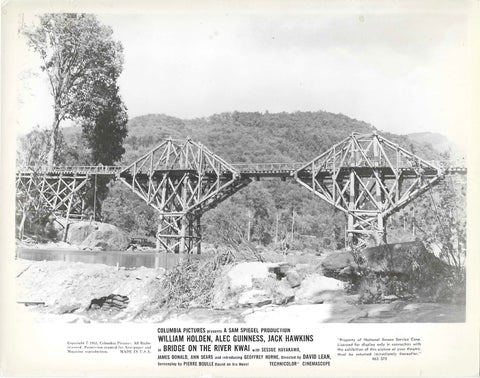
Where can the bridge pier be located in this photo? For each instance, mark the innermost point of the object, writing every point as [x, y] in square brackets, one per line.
[381, 233]
[181, 180]
[362, 176]
[179, 233]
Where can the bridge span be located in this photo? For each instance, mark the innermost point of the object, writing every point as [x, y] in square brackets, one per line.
[367, 177]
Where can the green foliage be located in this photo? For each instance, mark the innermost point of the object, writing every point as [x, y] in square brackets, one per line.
[191, 282]
[227, 224]
[423, 276]
[74, 152]
[125, 210]
[269, 211]
[255, 137]
[78, 55]
[449, 233]
[439, 219]
[33, 221]
[82, 63]
[34, 148]
[106, 131]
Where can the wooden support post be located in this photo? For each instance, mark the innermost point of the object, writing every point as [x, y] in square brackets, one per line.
[398, 192]
[199, 233]
[376, 151]
[249, 216]
[67, 218]
[95, 199]
[351, 207]
[158, 244]
[184, 220]
[381, 230]
[378, 195]
[293, 223]
[276, 230]
[414, 231]
[161, 218]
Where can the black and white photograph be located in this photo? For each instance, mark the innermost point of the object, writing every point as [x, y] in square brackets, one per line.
[292, 164]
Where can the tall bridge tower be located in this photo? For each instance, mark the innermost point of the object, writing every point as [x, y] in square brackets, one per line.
[181, 180]
[368, 178]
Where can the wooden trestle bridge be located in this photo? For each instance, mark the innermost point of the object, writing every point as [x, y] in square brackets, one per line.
[367, 177]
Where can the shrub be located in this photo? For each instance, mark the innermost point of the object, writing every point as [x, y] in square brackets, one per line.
[421, 276]
[190, 283]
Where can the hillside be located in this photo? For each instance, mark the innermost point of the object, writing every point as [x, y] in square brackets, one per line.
[256, 137]
[440, 143]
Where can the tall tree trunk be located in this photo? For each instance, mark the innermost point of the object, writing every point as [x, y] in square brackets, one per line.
[53, 140]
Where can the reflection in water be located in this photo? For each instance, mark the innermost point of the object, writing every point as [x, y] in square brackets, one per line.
[148, 259]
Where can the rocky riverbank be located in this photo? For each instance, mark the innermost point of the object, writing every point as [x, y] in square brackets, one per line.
[245, 292]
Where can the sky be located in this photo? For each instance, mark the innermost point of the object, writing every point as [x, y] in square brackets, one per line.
[401, 72]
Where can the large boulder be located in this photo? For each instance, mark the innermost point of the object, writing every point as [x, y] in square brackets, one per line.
[97, 235]
[397, 258]
[272, 291]
[254, 298]
[238, 279]
[393, 259]
[252, 284]
[107, 238]
[316, 288]
[293, 278]
[339, 265]
[79, 231]
[243, 275]
[282, 292]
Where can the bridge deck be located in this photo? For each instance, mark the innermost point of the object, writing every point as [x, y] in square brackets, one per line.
[263, 170]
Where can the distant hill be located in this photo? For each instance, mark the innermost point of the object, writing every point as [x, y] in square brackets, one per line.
[438, 142]
[257, 137]
[241, 137]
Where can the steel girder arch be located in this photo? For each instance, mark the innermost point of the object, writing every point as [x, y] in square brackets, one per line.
[368, 178]
[181, 179]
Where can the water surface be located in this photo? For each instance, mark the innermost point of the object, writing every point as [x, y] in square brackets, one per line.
[126, 259]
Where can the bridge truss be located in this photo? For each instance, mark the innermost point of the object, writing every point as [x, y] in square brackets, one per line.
[58, 193]
[367, 177]
[181, 180]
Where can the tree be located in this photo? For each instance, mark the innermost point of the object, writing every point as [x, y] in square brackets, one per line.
[81, 61]
[227, 224]
[33, 148]
[105, 129]
[127, 211]
[449, 233]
